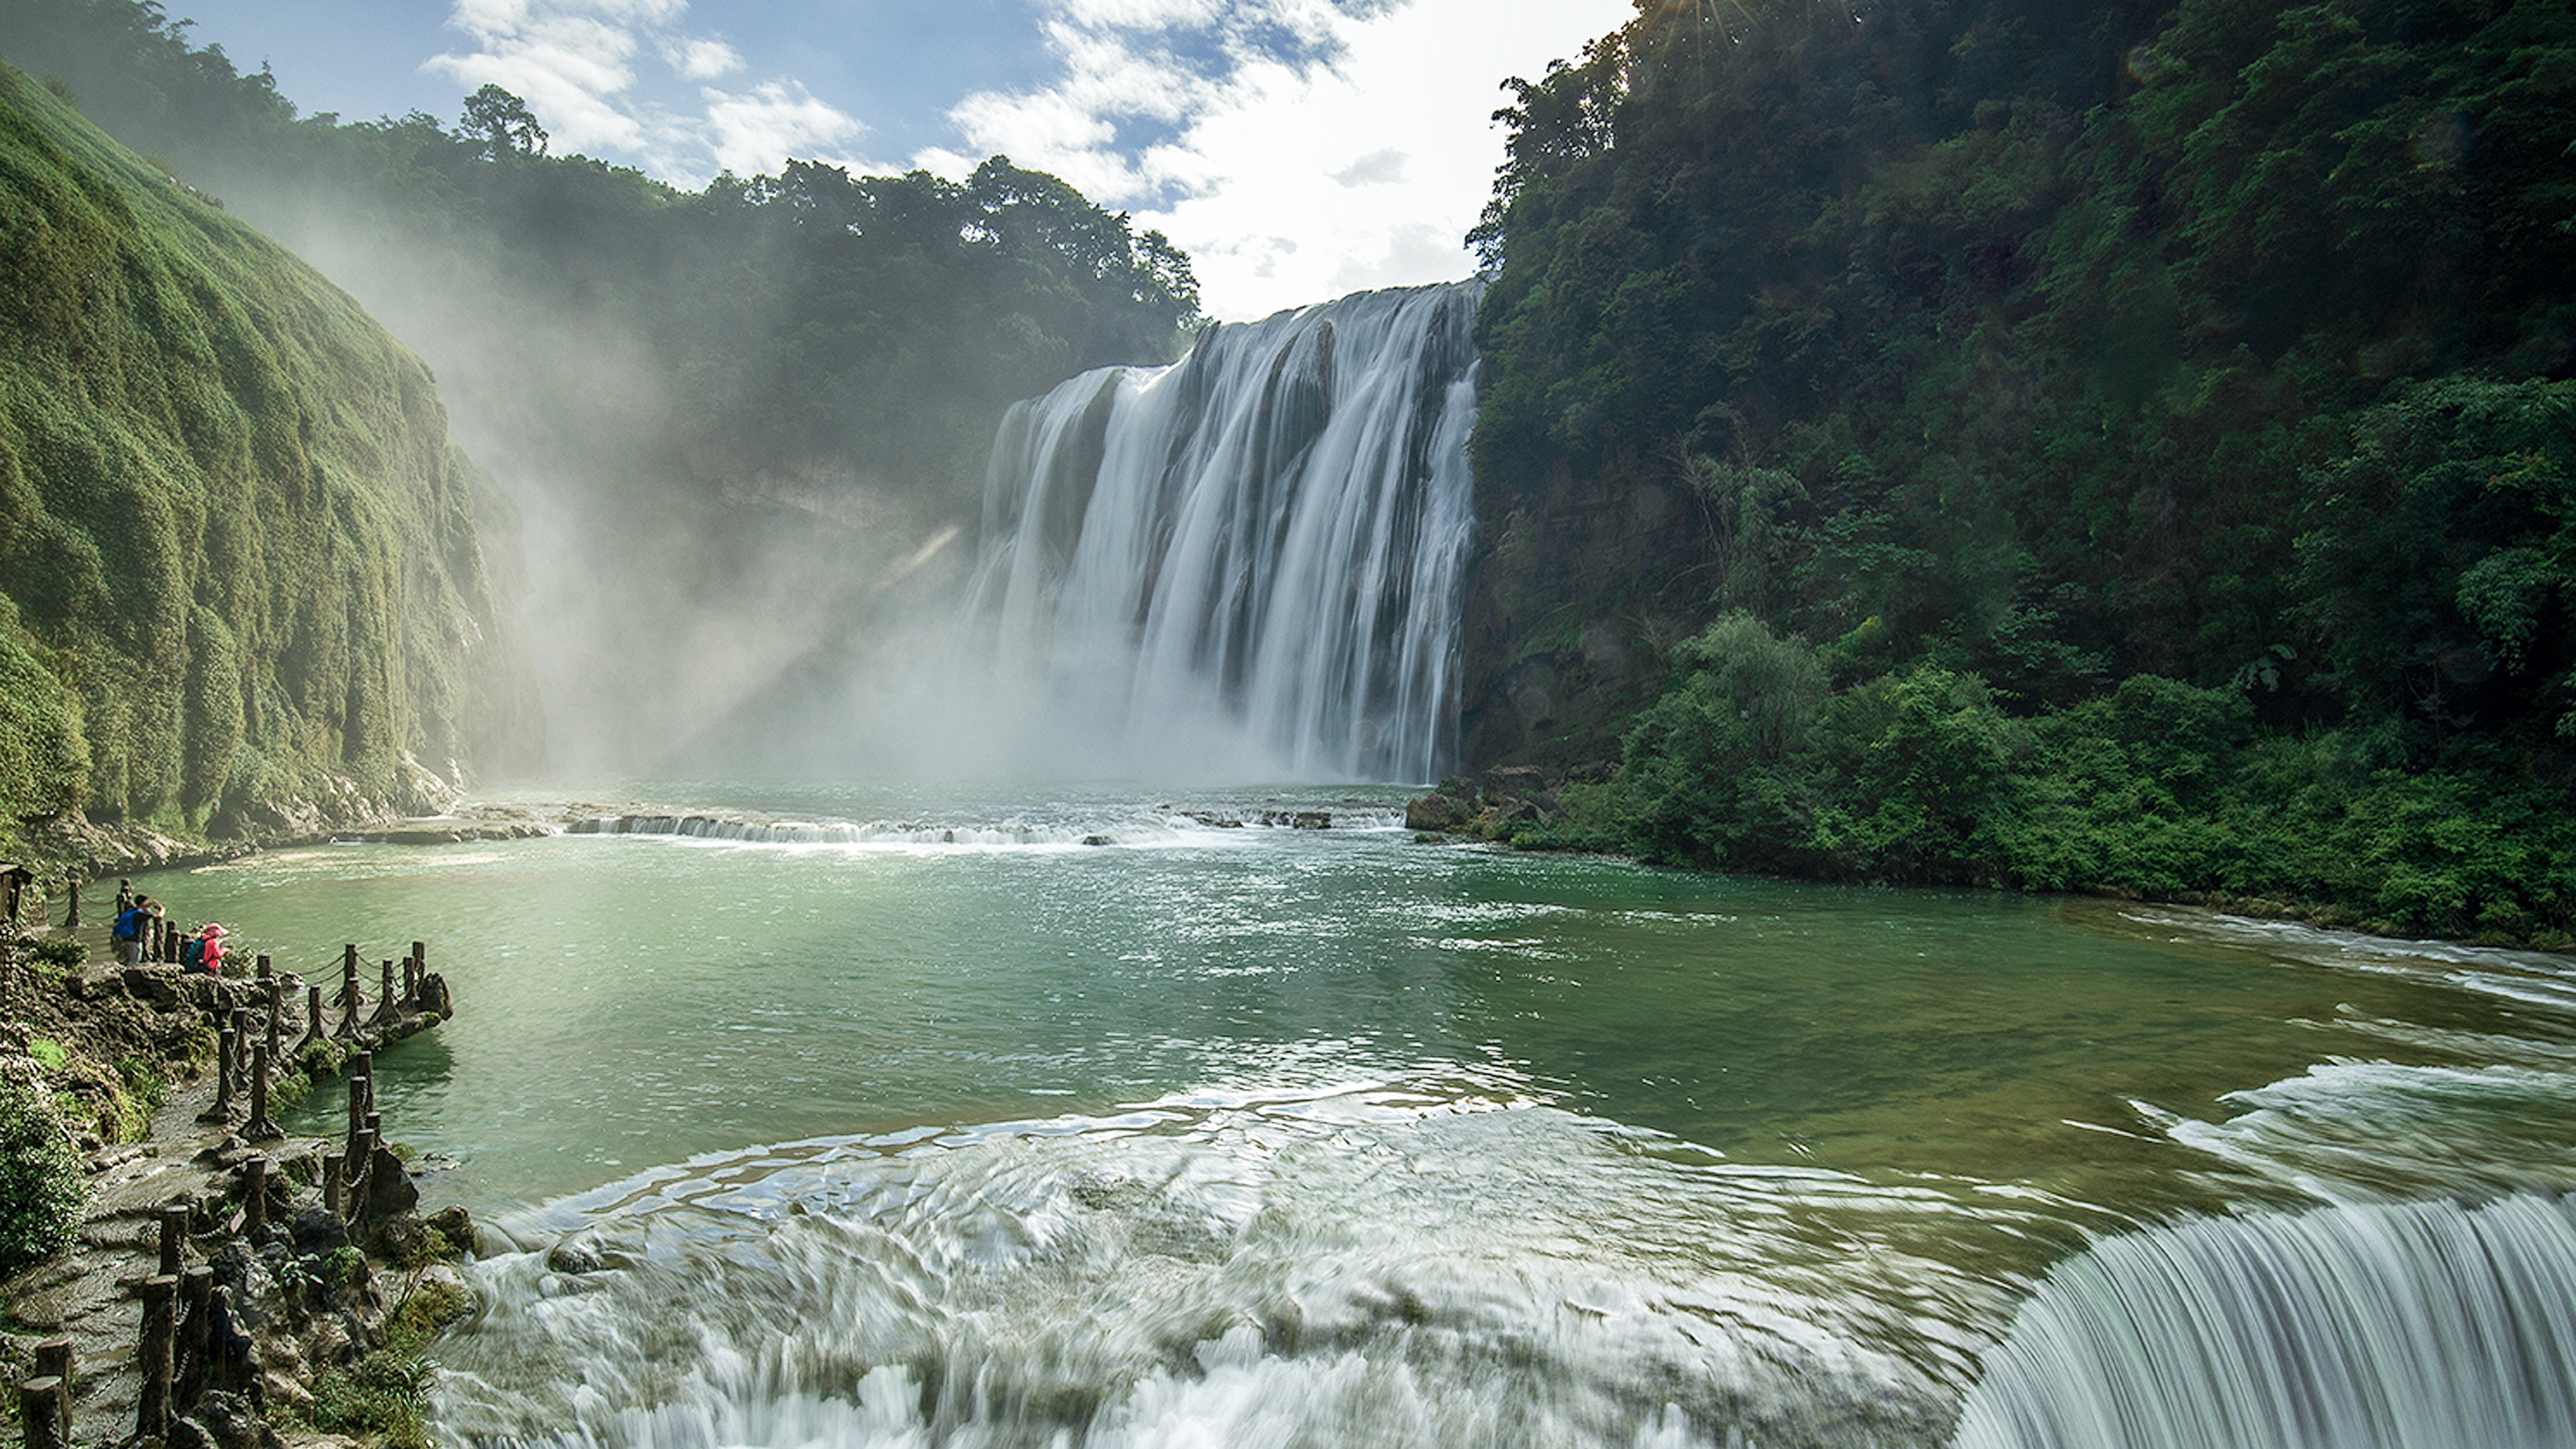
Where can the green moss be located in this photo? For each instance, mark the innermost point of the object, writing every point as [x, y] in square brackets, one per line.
[430, 1308]
[239, 551]
[323, 1058]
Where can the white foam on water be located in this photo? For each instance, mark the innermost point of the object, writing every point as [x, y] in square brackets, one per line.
[1399, 1264]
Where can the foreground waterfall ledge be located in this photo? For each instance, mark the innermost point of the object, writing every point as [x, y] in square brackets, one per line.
[1252, 559]
[2416, 1326]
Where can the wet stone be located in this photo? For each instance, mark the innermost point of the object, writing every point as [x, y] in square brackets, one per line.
[317, 1232]
[223, 1420]
[573, 1258]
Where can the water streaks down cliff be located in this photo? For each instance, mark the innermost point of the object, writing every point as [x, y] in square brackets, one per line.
[1249, 560]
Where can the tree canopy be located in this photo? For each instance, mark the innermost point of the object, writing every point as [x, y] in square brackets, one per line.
[2051, 347]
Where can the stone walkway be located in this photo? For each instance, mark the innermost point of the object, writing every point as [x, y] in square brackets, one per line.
[88, 1295]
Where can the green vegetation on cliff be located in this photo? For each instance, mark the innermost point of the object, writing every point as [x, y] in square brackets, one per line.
[241, 579]
[2123, 446]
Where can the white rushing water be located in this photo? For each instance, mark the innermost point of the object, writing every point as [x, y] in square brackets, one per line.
[1393, 1265]
[1249, 562]
[2416, 1326]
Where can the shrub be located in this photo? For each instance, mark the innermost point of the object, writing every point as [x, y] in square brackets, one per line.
[386, 1393]
[60, 952]
[42, 1187]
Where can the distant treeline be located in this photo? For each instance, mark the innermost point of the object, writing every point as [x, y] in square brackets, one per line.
[2123, 446]
[794, 319]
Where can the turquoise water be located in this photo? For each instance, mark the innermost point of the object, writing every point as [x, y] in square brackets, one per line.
[948, 1127]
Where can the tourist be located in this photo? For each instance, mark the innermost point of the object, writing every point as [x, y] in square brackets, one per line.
[127, 932]
[212, 951]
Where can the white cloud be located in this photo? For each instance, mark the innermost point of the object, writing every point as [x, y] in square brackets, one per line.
[575, 63]
[1361, 131]
[1377, 168]
[702, 59]
[757, 132]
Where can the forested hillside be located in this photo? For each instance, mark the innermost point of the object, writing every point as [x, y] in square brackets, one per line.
[241, 578]
[731, 416]
[2121, 446]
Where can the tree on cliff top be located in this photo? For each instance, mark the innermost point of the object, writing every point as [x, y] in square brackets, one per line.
[505, 123]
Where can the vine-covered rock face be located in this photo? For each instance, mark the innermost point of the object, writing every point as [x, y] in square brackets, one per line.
[241, 565]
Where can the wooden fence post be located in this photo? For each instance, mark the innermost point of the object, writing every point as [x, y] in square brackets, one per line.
[54, 1361]
[40, 1403]
[225, 1045]
[174, 1237]
[255, 1196]
[152, 1361]
[259, 1128]
[349, 990]
[275, 990]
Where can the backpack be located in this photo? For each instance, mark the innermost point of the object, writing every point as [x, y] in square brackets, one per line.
[124, 930]
[193, 954]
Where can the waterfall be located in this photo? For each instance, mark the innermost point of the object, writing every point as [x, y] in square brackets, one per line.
[2354, 1327]
[1251, 559]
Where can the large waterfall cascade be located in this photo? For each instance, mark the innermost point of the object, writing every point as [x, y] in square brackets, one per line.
[1251, 559]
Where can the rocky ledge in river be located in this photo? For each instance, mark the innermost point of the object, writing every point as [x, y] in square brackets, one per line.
[1496, 805]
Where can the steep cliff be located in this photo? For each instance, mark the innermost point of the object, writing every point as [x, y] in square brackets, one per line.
[242, 575]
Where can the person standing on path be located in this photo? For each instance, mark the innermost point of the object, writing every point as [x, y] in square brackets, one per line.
[127, 932]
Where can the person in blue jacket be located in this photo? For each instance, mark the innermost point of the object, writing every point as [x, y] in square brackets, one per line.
[127, 933]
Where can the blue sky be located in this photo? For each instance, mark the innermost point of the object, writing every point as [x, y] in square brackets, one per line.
[1299, 149]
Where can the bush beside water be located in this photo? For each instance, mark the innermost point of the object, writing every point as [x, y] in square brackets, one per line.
[1755, 760]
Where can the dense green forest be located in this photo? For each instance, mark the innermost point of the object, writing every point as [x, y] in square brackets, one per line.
[729, 415]
[2112, 447]
[243, 564]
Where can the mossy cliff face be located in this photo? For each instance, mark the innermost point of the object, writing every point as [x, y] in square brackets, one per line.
[242, 581]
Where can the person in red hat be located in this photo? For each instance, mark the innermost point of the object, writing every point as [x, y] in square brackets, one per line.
[213, 936]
